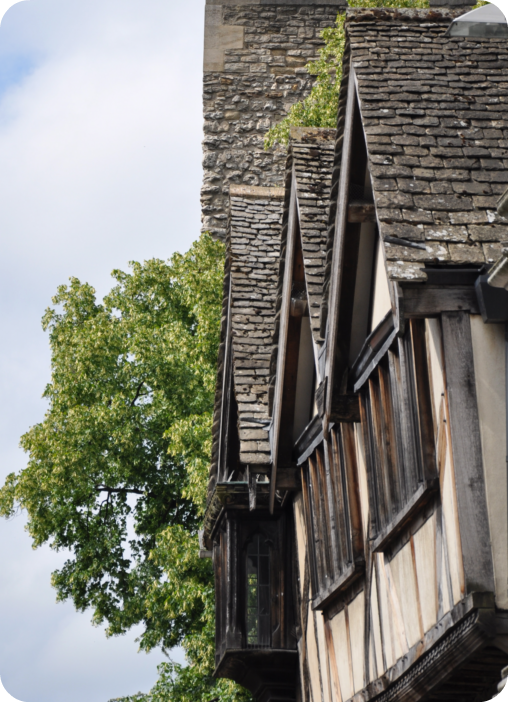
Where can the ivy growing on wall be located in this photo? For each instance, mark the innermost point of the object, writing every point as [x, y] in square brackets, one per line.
[319, 109]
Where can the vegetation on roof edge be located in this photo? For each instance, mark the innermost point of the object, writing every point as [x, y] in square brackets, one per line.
[319, 108]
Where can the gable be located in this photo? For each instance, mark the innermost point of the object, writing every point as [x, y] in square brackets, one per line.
[434, 111]
[252, 257]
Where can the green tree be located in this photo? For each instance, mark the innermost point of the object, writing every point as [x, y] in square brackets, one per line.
[319, 108]
[117, 470]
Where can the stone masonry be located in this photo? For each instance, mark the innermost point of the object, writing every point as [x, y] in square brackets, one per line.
[254, 70]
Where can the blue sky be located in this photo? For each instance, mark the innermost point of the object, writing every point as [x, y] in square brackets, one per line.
[100, 164]
[15, 66]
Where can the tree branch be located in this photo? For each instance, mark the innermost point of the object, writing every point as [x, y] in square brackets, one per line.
[137, 393]
[110, 490]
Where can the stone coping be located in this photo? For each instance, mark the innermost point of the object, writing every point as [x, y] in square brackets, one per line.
[255, 191]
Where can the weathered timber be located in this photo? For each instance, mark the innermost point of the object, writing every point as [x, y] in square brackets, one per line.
[338, 248]
[310, 438]
[467, 453]
[423, 400]
[431, 301]
[288, 479]
[283, 333]
[424, 493]
[345, 408]
[459, 637]
[320, 396]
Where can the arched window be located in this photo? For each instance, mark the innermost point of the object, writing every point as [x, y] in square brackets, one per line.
[258, 592]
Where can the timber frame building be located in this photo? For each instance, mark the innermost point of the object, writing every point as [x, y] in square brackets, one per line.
[358, 499]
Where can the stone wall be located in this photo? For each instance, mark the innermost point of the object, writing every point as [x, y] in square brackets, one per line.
[254, 61]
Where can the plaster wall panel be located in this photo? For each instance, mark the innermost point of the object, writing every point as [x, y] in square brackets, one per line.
[356, 615]
[323, 657]
[343, 653]
[301, 539]
[381, 301]
[378, 670]
[452, 556]
[446, 585]
[425, 557]
[385, 611]
[451, 571]
[451, 529]
[313, 658]
[489, 349]
[404, 578]
[397, 625]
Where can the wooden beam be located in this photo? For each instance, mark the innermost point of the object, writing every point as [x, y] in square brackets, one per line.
[311, 437]
[421, 497]
[467, 453]
[338, 248]
[289, 479]
[423, 300]
[283, 330]
[319, 397]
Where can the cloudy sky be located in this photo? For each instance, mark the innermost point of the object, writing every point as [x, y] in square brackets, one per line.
[100, 131]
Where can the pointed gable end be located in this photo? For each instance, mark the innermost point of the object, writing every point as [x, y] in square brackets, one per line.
[434, 113]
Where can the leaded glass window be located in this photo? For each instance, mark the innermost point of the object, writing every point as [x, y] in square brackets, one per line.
[258, 592]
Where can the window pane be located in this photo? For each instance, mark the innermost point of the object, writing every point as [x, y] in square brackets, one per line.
[258, 592]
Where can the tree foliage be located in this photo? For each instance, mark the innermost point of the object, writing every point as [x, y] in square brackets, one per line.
[117, 470]
[185, 684]
[319, 108]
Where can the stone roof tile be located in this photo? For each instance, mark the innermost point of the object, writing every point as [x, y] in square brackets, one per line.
[252, 262]
[310, 159]
[436, 134]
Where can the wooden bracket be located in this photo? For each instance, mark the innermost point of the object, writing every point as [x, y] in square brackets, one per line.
[288, 479]
[251, 479]
[320, 397]
[400, 320]
[345, 408]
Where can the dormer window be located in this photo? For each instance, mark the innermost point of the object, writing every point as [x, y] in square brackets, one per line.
[258, 592]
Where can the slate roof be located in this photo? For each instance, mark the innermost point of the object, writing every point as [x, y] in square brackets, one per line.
[310, 159]
[252, 260]
[435, 112]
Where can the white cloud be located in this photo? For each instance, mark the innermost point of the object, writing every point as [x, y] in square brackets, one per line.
[100, 147]
[100, 153]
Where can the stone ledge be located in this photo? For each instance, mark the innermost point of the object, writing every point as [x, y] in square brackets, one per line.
[255, 191]
[312, 134]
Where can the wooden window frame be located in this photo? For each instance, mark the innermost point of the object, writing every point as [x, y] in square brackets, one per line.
[236, 531]
[333, 517]
[397, 425]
